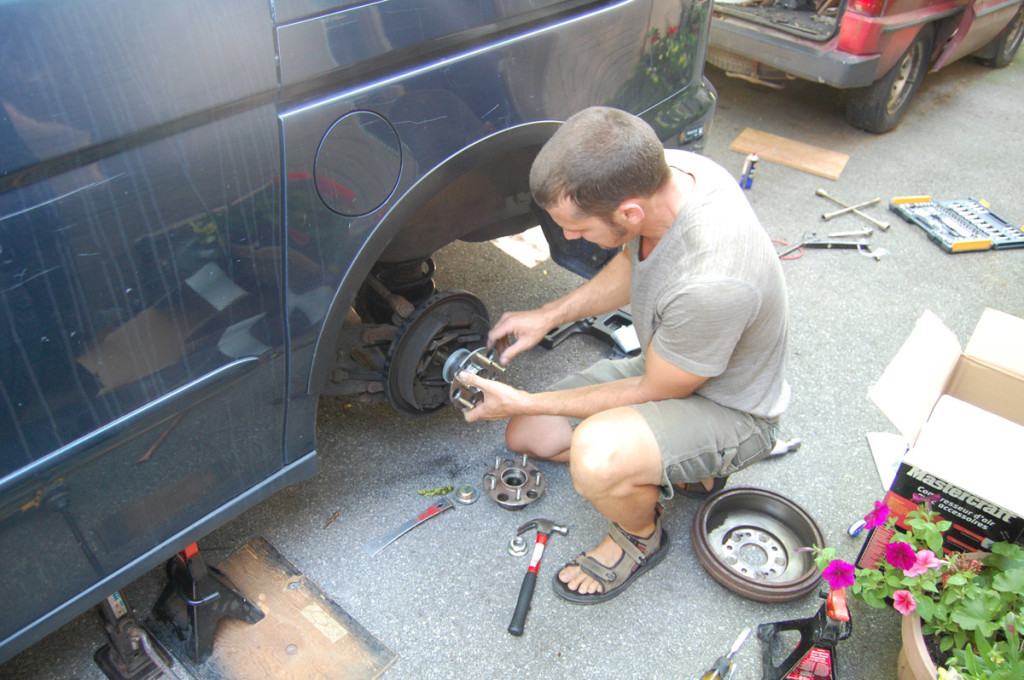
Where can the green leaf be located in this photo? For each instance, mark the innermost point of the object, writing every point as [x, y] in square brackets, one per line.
[925, 608]
[1009, 581]
[982, 643]
[958, 579]
[974, 614]
[873, 599]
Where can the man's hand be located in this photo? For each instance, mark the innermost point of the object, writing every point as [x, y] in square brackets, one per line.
[499, 400]
[517, 332]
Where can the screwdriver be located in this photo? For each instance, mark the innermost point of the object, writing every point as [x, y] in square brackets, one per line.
[723, 668]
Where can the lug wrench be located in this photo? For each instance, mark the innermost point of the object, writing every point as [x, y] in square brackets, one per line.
[545, 528]
[836, 213]
[884, 226]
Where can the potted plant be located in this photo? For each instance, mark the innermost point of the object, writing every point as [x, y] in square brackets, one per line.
[968, 605]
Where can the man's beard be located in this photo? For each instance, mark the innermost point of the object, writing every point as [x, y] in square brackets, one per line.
[620, 233]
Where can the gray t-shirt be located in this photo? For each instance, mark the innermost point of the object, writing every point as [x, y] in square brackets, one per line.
[711, 296]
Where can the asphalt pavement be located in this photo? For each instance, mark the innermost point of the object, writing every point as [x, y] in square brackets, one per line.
[441, 596]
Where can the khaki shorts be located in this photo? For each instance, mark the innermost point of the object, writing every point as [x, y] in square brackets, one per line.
[697, 437]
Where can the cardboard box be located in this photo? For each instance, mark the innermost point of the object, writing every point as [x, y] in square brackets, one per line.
[961, 414]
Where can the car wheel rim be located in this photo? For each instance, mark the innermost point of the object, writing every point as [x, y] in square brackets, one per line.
[904, 80]
[750, 540]
[1016, 32]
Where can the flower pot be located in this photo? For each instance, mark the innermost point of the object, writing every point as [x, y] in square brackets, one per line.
[914, 662]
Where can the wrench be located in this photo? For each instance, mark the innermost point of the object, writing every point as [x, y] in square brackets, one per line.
[829, 215]
[884, 226]
[375, 545]
[866, 231]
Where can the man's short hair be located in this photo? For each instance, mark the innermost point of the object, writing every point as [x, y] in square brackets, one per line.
[598, 158]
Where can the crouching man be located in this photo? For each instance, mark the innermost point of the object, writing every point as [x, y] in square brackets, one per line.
[708, 300]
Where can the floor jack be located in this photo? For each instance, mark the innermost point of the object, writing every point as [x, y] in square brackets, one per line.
[196, 598]
[815, 655]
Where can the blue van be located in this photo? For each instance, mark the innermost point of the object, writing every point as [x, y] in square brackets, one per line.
[212, 213]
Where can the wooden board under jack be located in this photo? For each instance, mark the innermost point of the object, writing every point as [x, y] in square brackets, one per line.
[792, 154]
[303, 635]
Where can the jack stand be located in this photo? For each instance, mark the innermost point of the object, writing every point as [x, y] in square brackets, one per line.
[194, 601]
[815, 655]
[131, 653]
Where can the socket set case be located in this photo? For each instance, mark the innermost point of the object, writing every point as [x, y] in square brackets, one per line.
[962, 225]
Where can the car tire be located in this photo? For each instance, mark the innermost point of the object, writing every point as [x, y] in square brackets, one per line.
[1007, 42]
[880, 106]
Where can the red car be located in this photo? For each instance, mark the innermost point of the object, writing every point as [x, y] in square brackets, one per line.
[877, 50]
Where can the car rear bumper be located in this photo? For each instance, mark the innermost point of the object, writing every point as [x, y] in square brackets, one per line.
[817, 62]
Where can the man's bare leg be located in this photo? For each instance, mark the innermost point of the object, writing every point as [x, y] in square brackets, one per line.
[615, 464]
[544, 437]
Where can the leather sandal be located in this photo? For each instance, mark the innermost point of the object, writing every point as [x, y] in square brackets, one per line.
[697, 490]
[638, 555]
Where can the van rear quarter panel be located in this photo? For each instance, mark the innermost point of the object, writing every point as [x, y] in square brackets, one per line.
[450, 114]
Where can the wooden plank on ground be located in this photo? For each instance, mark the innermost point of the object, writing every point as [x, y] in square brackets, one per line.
[303, 634]
[792, 154]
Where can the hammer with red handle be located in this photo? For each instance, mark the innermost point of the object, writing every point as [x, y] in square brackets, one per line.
[545, 528]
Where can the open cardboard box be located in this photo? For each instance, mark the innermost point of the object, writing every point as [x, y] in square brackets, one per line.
[961, 417]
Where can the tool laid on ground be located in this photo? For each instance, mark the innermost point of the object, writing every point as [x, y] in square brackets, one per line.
[815, 654]
[375, 545]
[812, 240]
[545, 528]
[855, 209]
[959, 226]
[723, 668]
[836, 213]
[865, 232]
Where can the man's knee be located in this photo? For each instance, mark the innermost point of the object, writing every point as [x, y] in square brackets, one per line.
[611, 448]
[598, 450]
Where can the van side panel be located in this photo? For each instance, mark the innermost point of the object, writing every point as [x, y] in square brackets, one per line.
[142, 327]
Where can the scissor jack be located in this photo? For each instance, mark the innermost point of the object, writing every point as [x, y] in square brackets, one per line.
[130, 654]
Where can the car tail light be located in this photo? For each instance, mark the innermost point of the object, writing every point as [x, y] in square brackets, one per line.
[872, 8]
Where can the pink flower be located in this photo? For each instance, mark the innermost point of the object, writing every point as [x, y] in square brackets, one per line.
[838, 574]
[900, 555]
[877, 517]
[925, 560]
[903, 602]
